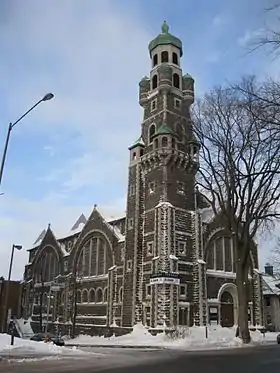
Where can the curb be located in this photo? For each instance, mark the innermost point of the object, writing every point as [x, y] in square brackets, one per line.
[114, 346]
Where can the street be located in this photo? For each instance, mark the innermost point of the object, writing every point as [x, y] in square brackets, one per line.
[250, 359]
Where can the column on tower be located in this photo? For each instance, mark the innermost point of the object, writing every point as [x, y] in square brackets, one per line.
[132, 284]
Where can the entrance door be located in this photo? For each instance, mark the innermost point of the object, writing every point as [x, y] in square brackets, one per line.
[227, 312]
[183, 316]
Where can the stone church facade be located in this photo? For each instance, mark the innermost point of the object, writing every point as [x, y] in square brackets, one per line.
[169, 262]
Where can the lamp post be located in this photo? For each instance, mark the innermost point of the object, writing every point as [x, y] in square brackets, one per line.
[47, 97]
[5, 321]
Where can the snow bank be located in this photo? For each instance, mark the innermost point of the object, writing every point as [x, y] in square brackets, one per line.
[32, 347]
[186, 338]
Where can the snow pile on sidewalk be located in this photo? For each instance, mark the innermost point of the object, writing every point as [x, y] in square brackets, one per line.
[31, 347]
[188, 338]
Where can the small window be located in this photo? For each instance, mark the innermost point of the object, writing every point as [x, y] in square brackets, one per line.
[65, 266]
[69, 245]
[267, 301]
[155, 60]
[164, 142]
[152, 131]
[177, 103]
[164, 56]
[183, 291]
[179, 131]
[148, 290]
[130, 223]
[182, 247]
[154, 81]
[176, 81]
[105, 295]
[152, 187]
[141, 152]
[173, 144]
[156, 143]
[92, 296]
[134, 156]
[180, 187]
[150, 248]
[99, 295]
[175, 58]
[129, 265]
[153, 105]
[121, 294]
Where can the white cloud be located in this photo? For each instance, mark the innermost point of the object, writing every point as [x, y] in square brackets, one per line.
[92, 57]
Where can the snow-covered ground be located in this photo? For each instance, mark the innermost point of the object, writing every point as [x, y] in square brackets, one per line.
[25, 347]
[191, 339]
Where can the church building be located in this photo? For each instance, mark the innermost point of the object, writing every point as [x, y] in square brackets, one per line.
[169, 262]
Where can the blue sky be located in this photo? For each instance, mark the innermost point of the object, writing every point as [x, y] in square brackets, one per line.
[71, 152]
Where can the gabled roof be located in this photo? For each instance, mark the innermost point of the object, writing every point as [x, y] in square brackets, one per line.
[40, 238]
[271, 285]
[79, 225]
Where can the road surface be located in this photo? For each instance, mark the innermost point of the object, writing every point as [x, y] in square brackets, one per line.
[250, 360]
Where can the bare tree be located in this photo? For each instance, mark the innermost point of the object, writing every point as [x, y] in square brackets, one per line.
[239, 172]
[270, 36]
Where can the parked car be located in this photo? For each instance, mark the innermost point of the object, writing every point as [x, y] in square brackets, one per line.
[278, 339]
[41, 337]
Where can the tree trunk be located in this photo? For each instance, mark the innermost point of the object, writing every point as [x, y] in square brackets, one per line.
[242, 291]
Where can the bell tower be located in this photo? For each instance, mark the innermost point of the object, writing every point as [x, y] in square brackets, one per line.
[163, 164]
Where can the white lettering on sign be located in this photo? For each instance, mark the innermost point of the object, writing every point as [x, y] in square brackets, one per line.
[164, 280]
[213, 310]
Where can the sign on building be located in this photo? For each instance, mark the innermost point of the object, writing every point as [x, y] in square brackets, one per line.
[165, 280]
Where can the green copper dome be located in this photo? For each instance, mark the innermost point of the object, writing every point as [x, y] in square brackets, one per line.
[164, 129]
[165, 38]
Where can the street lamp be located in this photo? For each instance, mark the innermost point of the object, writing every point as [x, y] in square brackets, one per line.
[5, 321]
[47, 97]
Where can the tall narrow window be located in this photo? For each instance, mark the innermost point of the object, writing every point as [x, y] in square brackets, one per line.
[175, 58]
[164, 142]
[164, 56]
[152, 131]
[154, 81]
[176, 80]
[179, 130]
[155, 60]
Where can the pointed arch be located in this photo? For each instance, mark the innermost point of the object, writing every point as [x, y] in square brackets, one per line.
[152, 131]
[85, 296]
[154, 81]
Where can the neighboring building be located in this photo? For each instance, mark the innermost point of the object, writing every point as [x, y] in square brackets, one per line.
[168, 262]
[13, 302]
[271, 294]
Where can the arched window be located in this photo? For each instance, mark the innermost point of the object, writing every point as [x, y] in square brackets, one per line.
[92, 296]
[62, 297]
[78, 296]
[175, 58]
[154, 81]
[164, 56]
[164, 142]
[152, 131]
[179, 131]
[105, 295]
[156, 143]
[155, 60]
[121, 294]
[85, 296]
[173, 143]
[99, 295]
[141, 152]
[176, 80]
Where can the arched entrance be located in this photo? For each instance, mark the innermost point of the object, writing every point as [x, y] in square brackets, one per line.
[227, 311]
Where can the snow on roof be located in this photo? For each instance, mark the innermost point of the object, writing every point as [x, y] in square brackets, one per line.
[207, 214]
[79, 225]
[270, 285]
[39, 238]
